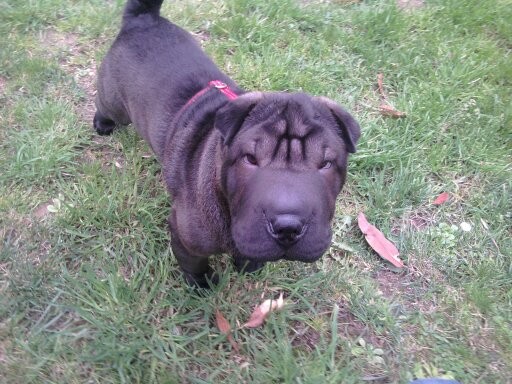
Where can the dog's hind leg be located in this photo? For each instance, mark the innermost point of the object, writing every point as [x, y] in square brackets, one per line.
[103, 125]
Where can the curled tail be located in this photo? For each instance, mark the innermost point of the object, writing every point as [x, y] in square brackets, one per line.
[136, 8]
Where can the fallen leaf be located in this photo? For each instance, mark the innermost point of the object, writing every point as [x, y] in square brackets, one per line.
[385, 248]
[380, 84]
[222, 323]
[55, 207]
[441, 199]
[261, 312]
[388, 110]
[225, 329]
[385, 108]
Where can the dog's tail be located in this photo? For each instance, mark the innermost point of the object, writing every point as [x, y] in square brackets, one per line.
[136, 8]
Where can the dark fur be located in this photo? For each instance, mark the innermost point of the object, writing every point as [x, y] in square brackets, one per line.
[257, 177]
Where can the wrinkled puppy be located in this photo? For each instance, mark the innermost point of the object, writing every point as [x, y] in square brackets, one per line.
[252, 174]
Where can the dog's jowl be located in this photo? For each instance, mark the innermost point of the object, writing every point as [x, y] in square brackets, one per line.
[250, 173]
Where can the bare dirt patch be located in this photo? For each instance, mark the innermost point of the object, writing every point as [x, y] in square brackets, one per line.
[3, 84]
[41, 211]
[26, 237]
[419, 219]
[340, 2]
[77, 61]
[410, 5]
[3, 354]
[305, 336]
[409, 287]
[350, 327]
[54, 39]
[394, 285]
[105, 154]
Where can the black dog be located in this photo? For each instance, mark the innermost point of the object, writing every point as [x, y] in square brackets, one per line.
[253, 174]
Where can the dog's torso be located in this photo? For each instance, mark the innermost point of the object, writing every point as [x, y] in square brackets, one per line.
[154, 60]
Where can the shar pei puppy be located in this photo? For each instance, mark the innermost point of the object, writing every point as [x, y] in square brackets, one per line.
[252, 174]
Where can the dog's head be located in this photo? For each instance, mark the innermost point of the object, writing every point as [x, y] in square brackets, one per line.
[284, 163]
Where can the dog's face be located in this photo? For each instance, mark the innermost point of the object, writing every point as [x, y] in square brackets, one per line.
[284, 163]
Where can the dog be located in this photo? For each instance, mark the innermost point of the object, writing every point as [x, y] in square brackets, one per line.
[252, 174]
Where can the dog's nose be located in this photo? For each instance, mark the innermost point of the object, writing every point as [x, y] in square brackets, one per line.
[286, 229]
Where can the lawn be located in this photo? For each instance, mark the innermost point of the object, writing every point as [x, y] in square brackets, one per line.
[89, 289]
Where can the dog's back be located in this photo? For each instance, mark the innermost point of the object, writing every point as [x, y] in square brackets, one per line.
[151, 59]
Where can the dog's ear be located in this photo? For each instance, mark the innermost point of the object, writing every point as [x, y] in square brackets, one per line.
[348, 128]
[230, 118]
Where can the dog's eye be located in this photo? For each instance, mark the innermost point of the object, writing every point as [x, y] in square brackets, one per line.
[250, 159]
[326, 164]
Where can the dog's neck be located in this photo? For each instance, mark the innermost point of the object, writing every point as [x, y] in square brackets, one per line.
[215, 84]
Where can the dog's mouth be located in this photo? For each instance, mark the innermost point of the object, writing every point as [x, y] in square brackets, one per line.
[294, 253]
[309, 257]
[283, 237]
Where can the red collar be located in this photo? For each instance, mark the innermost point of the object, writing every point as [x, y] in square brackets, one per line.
[223, 87]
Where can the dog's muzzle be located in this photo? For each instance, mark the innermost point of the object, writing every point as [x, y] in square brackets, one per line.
[286, 229]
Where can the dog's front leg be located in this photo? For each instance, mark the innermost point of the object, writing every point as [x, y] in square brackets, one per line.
[196, 269]
[245, 265]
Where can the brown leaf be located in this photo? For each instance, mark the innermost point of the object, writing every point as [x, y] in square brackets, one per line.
[385, 108]
[261, 312]
[380, 84]
[222, 323]
[225, 329]
[441, 199]
[385, 248]
[388, 110]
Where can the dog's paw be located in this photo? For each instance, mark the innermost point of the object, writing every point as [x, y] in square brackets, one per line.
[247, 266]
[204, 281]
[102, 125]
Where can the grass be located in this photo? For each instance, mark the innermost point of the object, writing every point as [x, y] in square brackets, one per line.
[89, 290]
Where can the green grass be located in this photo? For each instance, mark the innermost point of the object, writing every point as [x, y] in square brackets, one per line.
[91, 293]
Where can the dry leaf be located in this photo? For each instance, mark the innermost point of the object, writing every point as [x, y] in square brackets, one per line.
[380, 84]
[222, 323]
[225, 329]
[385, 108]
[262, 311]
[388, 110]
[441, 199]
[385, 248]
